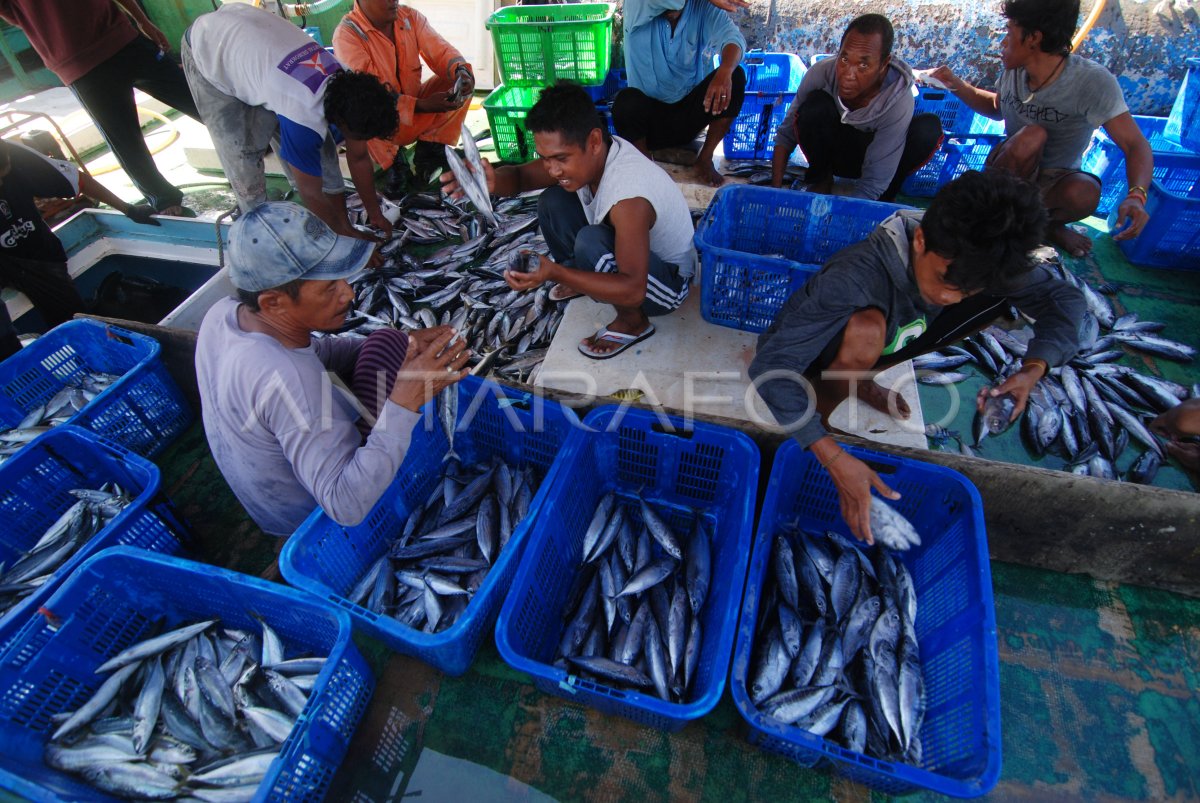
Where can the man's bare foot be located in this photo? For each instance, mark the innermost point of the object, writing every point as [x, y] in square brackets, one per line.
[883, 399]
[1063, 236]
[706, 173]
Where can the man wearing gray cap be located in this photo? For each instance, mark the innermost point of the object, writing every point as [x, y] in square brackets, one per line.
[280, 422]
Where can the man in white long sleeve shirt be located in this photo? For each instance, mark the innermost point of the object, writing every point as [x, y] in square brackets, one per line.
[281, 422]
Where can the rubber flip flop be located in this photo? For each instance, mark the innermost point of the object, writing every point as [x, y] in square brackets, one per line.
[563, 293]
[622, 340]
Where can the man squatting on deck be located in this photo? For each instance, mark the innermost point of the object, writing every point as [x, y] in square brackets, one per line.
[1051, 102]
[618, 227]
[283, 427]
[918, 283]
[853, 118]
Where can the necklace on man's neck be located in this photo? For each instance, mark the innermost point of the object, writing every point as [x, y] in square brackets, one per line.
[1034, 90]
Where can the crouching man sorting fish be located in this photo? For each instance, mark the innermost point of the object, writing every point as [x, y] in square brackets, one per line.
[280, 422]
[916, 284]
[617, 225]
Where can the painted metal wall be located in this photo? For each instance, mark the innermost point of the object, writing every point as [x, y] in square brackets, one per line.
[1143, 42]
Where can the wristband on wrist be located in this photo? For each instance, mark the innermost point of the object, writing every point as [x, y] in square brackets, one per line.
[833, 459]
[1038, 361]
[1139, 191]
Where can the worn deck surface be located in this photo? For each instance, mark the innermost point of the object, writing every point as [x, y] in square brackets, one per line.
[1099, 690]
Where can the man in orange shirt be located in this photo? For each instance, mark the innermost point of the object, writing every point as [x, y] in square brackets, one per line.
[389, 41]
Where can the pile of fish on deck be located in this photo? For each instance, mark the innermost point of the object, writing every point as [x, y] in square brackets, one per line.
[199, 711]
[449, 544]
[461, 283]
[836, 650]
[59, 409]
[633, 613]
[1088, 409]
[75, 527]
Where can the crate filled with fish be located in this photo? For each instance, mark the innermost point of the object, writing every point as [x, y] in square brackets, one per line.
[1090, 416]
[97, 377]
[152, 677]
[65, 497]
[628, 594]
[428, 568]
[758, 245]
[445, 264]
[878, 662]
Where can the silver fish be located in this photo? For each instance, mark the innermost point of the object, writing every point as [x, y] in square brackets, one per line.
[890, 528]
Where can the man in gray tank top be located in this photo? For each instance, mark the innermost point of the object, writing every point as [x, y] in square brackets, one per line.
[618, 227]
[1051, 101]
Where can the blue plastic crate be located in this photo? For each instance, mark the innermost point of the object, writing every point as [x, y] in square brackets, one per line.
[752, 135]
[956, 624]
[1183, 126]
[770, 73]
[35, 489]
[605, 112]
[957, 155]
[956, 116]
[327, 559]
[758, 245]
[771, 81]
[1105, 159]
[683, 470]
[144, 411]
[614, 82]
[1171, 238]
[118, 598]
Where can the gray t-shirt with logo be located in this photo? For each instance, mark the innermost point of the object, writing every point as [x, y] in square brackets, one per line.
[1084, 97]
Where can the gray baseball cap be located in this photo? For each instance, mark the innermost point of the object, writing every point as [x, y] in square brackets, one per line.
[278, 242]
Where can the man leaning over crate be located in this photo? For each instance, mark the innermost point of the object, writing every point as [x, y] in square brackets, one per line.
[389, 41]
[853, 117]
[260, 82]
[282, 425]
[919, 282]
[617, 225]
[673, 90]
[1051, 102]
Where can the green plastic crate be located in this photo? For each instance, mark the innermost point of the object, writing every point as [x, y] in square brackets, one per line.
[506, 109]
[537, 45]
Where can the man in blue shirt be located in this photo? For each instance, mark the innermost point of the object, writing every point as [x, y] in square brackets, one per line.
[673, 91]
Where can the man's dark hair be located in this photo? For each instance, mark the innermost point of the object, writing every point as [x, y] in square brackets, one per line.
[869, 24]
[358, 102]
[565, 109]
[986, 224]
[1056, 19]
[250, 297]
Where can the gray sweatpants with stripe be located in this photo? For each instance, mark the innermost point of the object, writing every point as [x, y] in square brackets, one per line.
[575, 244]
